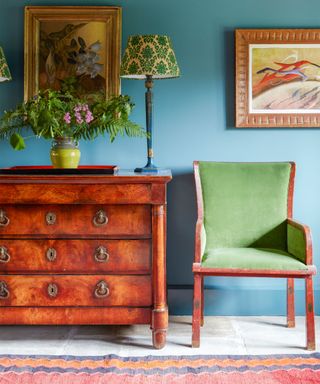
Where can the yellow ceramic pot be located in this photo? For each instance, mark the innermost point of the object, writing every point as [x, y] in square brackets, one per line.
[65, 153]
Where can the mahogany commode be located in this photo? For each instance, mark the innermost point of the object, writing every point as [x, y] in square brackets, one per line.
[84, 250]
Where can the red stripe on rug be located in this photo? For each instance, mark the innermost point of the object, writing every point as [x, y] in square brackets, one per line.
[292, 376]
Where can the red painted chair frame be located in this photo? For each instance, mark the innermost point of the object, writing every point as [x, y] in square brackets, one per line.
[200, 272]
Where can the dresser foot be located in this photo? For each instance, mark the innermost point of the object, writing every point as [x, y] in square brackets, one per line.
[159, 337]
[159, 327]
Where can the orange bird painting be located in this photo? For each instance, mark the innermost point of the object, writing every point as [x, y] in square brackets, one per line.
[285, 84]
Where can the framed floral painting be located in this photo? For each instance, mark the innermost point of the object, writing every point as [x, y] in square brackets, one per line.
[77, 47]
[277, 78]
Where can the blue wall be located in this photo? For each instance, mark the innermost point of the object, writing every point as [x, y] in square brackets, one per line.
[194, 119]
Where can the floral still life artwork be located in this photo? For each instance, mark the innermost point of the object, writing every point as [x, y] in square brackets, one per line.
[284, 78]
[73, 46]
[73, 53]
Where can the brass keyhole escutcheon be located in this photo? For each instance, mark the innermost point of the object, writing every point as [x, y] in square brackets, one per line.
[101, 255]
[4, 255]
[4, 290]
[51, 218]
[52, 290]
[51, 254]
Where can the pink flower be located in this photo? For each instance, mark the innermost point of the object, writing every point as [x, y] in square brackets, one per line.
[79, 118]
[67, 118]
[81, 114]
[89, 116]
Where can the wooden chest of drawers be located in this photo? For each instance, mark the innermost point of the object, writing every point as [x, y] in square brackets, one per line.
[84, 250]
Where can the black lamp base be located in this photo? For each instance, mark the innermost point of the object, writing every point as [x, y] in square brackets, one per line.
[148, 169]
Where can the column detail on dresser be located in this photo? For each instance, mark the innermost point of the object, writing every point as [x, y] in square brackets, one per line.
[84, 250]
[160, 309]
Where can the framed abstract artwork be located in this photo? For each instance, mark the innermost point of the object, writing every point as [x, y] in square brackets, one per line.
[76, 47]
[277, 78]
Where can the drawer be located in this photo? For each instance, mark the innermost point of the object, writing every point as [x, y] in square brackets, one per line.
[75, 256]
[71, 192]
[75, 316]
[83, 220]
[75, 291]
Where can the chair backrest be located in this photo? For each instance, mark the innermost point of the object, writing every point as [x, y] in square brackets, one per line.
[245, 204]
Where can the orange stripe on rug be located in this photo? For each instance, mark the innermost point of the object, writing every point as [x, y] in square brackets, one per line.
[156, 363]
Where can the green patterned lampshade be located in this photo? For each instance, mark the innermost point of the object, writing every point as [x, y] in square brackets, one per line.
[149, 55]
[4, 69]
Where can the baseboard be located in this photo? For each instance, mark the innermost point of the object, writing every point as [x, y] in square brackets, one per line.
[238, 302]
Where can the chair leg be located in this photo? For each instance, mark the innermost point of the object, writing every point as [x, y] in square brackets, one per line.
[290, 303]
[196, 315]
[202, 301]
[310, 330]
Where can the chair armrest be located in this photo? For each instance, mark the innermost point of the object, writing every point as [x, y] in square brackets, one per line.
[200, 241]
[299, 241]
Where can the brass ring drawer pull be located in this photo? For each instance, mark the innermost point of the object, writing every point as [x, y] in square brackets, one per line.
[101, 291]
[52, 290]
[100, 218]
[4, 255]
[101, 255]
[51, 218]
[4, 219]
[4, 290]
[51, 254]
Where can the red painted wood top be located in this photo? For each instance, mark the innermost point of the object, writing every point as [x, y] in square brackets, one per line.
[120, 177]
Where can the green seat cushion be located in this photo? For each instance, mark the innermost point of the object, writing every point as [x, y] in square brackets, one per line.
[251, 258]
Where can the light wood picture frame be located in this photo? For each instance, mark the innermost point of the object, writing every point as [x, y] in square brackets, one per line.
[78, 46]
[277, 79]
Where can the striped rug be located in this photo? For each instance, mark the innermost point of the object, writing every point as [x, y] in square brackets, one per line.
[268, 369]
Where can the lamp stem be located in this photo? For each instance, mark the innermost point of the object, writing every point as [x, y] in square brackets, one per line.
[149, 118]
[150, 167]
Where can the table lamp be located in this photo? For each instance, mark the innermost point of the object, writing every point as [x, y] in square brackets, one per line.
[4, 69]
[149, 57]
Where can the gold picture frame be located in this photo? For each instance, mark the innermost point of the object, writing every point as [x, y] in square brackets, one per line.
[277, 78]
[79, 46]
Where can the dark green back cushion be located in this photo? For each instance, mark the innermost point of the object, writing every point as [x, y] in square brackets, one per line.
[245, 204]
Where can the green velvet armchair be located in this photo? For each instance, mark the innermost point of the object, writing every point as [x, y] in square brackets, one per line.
[245, 228]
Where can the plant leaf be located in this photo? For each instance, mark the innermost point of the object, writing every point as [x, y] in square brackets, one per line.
[17, 142]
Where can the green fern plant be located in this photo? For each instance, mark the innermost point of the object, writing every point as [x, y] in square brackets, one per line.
[53, 114]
